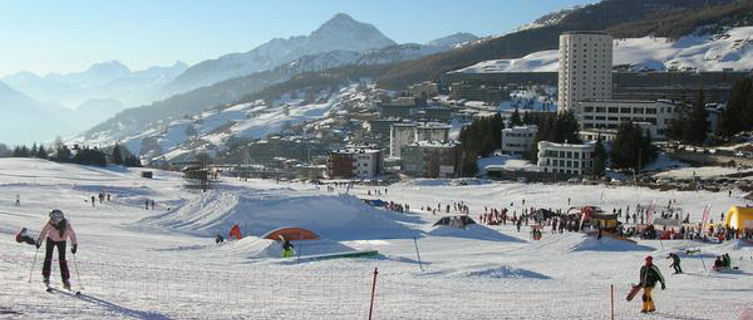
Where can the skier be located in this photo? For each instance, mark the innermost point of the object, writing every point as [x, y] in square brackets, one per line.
[650, 274]
[146, 204]
[287, 248]
[219, 239]
[18, 200]
[675, 263]
[92, 201]
[56, 231]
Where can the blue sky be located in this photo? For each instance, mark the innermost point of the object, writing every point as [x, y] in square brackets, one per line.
[67, 36]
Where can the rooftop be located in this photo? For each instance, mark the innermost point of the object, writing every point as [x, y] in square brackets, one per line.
[586, 32]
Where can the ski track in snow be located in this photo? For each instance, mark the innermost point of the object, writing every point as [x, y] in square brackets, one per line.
[135, 265]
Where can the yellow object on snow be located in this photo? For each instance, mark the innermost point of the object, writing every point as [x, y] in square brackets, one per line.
[739, 217]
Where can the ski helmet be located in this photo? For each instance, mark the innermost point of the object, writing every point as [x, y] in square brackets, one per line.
[56, 215]
[649, 259]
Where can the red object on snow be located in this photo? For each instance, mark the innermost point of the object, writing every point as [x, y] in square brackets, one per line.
[235, 231]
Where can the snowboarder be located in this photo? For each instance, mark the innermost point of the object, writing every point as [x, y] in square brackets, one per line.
[219, 239]
[650, 274]
[675, 263]
[287, 248]
[56, 231]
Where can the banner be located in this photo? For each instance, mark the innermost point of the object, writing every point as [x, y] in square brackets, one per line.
[705, 220]
[650, 213]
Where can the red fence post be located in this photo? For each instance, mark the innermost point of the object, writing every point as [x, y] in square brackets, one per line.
[373, 290]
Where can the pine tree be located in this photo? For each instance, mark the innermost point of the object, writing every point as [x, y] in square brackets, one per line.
[117, 156]
[41, 152]
[731, 120]
[695, 128]
[33, 151]
[515, 119]
[630, 148]
[747, 112]
[599, 157]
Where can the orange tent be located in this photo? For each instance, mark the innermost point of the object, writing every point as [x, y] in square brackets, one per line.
[235, 231]
[291, 233]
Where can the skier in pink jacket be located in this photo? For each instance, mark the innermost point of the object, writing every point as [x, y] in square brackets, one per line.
[56, 231]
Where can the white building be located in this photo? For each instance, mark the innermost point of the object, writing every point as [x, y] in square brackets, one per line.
[403, 134]
[655, 116]
[564, 158]
[585, 68]
[433, 132]
[518, 139]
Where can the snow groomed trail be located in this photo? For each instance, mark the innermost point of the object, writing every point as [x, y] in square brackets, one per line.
[163, 264]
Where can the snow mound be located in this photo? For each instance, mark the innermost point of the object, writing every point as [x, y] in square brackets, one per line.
[473, 231]
[258, 248]
[257, 212]
[590, 243]
[575, 242]
[503, 272]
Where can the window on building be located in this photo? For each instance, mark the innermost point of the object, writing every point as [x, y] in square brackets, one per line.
[614, 109]
[588, 109]
[624, 110]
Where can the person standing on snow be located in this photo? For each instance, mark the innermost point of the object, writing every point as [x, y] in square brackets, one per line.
[650, 274]
[56, 231]
[675, 263]
[287, 249]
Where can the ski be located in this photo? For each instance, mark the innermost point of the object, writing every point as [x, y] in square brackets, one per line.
[51, 289]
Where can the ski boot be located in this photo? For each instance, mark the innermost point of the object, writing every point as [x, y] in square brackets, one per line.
[46, 282]
[67, 285]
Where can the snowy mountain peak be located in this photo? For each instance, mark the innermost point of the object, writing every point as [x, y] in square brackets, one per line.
[342, 32]
[453, 40]
[109, 67]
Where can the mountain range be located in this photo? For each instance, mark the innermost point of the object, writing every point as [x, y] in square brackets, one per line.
[341, 33]
[106, 80]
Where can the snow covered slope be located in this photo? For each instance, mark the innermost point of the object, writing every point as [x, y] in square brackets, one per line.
[731, 49]
[210, 130]
[132, 267]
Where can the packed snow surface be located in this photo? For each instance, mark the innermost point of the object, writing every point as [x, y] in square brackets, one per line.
[164, 263]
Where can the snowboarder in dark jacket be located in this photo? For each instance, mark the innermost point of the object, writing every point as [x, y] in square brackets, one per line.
[650, 274]
[675, 263]
[287, 249]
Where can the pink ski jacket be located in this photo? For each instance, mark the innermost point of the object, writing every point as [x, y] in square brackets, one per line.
[49, 231]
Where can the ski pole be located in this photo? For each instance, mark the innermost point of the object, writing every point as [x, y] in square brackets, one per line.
[78, 275]
[33, 264]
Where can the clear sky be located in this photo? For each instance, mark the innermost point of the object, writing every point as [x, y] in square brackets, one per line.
[70, 35]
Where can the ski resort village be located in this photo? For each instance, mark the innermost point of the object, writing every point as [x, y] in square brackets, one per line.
[594, 163]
